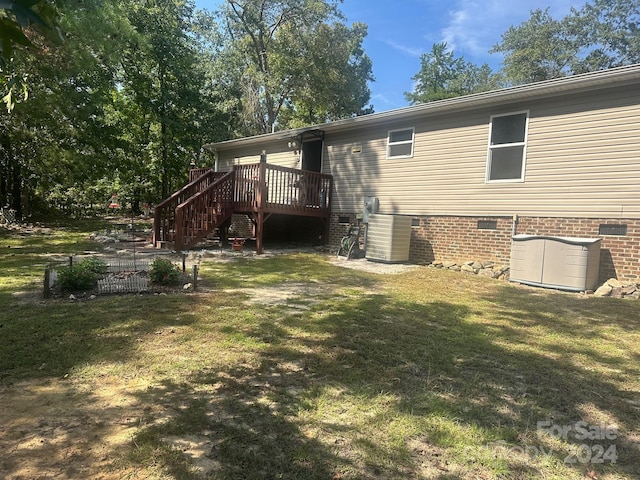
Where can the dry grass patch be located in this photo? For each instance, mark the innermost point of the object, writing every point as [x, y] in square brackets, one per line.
[334, 374]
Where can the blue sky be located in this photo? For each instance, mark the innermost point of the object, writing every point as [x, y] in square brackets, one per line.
[401, 31]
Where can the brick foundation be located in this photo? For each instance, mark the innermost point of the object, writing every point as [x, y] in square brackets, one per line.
[458, 239]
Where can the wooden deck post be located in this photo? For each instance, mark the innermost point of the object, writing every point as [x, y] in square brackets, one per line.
[261, 200]
[178, 229]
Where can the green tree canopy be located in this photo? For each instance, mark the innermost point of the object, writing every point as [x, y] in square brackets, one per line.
[121, 105]
[20, 22]
[332, 74]
[286, 54]
[601, 35]
[443, 75]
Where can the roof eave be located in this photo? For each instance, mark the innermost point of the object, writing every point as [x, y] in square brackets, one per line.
[549, 88]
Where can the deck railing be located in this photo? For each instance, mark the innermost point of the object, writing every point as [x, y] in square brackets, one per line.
[246, 186]
[284, 190]
[292, 190]
[210, 199]
[194, 173]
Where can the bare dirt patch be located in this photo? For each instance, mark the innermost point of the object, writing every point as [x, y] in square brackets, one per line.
[50, 429]
[365, 265]
[288, 294]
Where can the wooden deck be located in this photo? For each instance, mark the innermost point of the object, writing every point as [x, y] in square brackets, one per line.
[258, 190]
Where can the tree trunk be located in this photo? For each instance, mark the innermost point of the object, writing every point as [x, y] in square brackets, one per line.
[4, 173]
[16, 189]
[11, 183]
[165, 160]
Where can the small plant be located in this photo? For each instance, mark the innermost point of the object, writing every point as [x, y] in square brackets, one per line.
[73, 279]
[163, 271]
[83, 276]
[95, 265]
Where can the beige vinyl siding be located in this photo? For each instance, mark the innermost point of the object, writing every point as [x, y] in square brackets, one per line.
[584, 156]
[278, 153]
[448, 152]
[583, 159]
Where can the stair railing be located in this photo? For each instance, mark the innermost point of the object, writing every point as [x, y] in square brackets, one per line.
[164, 212]
[200, 214]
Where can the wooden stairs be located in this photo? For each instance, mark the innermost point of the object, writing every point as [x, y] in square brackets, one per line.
[259, 190]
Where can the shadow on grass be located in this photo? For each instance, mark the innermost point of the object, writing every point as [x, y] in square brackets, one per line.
[246, 426]
[269, 271]
[363, 385]
[454, 382]
[51, 339]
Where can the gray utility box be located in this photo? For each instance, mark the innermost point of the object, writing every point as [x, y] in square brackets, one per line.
[565, 263]
[371, 205]
[388, 238]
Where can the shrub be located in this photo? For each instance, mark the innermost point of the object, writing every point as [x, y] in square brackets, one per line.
[82, 276]
[73, 279]
[95, 265]
[163, 271]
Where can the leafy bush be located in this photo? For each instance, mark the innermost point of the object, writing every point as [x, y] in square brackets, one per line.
[73, 279]
[83, 276]
[163, 271]
[95, 265]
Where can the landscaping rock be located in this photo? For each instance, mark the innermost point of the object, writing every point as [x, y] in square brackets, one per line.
[614, 283]
[629, 289]
[603, 291]
[486, 268]
[487, 272]
[618, 289]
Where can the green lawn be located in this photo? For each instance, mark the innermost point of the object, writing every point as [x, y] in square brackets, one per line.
[292, 367]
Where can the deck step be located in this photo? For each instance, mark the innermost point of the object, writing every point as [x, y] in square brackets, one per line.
[165, 245]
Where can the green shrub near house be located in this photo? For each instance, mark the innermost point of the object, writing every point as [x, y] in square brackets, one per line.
[164, 272]
[82, 276]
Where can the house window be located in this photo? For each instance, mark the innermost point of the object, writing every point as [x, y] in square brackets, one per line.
[507, 147]
[400, 143]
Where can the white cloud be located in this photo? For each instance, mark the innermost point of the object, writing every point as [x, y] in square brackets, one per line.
[381, 98]
[410, 51]
[474, 27]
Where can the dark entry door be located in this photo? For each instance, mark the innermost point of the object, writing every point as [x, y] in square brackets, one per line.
[312, 155]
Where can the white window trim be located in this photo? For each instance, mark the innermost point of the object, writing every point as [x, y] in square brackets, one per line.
[404, 142]
[516, 144]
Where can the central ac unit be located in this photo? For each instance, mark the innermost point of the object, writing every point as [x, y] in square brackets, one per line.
[388, 238]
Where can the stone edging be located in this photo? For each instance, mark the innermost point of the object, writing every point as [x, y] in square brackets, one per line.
[611, 288]
[486, 269]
